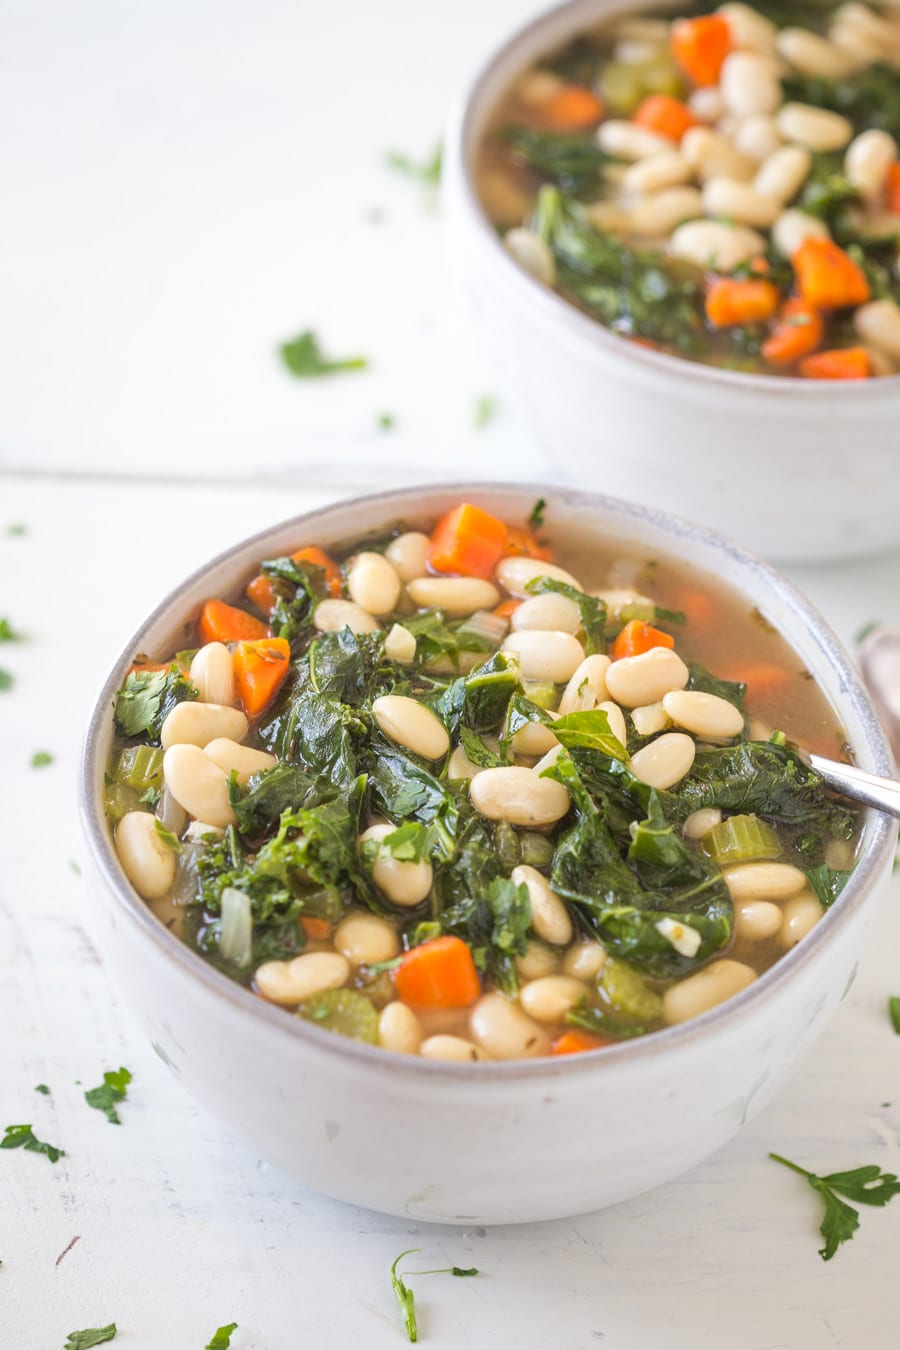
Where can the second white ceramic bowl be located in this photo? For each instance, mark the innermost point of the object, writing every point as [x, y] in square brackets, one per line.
[794, 469]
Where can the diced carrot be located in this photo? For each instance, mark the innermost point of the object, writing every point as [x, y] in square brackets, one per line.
[638, 637]
[225, 623]
[522, 542]
[260, 669]
[730, 302]
[467, 541]
[827, 277]
[438, 974]
[841, 363]
[576, 1042]
[798, 330]
[259, 592]
[764, 679]
[506, 608]
[572, 108]
[893, 189]
[316, 929]
[319, 558]
[700, 46]
[665, 116]
[697, 607]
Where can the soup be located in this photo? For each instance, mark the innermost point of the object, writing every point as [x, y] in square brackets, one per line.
[479, 793]
[723, 187]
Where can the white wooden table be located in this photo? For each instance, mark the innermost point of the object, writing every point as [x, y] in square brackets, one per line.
[176, 201]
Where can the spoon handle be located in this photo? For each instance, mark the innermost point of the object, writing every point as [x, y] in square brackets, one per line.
[883, 793]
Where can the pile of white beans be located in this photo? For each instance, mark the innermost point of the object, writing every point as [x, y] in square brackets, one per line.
[203, 743]
[715, 199]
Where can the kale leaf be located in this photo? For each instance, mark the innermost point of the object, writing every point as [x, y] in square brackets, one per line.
[592, 610]
[573, 161]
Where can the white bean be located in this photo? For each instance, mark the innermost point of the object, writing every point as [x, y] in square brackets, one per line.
[400, 645]
[616, 719]
[878, 322]
[660, 213]
[857, 43]
[518, 795]
[665, 761]
[706, 989]
[699, 823]
[532, 253]
[408, 555]
[373, 583]
[454, 1049]
[750, 30]
[783, 173]
[712, 243]
[460, 766]
[456, 596]
[712, 155]
[659, 171]
[533, 740]
[240, 759]
[407, 722]
[545, 655]
[587, 687]
[549, 611]
[706, 104]
[763, 881]
[585, 960]
[197, 723]
[706, 715]
[549, 916]
[756, 137]
[537, 86]
[624, 140]
[290, 982]
[198, 784]
[537, 960]
[739, 201]
[402, 881]
[879, 362]
[792, 228]
[641, 30]
[814, 55]
[799, 917]
[331, 616]
[756, 920]
[635, 51]
[147, 860]
[867, 161]
[748, 84]
[212, 674]
[636, 680]
[816, 128]
[514, 574]
[547, 760]
[365, 939]
[650, 719]
[399, 1029]
[550, 998]
[503, 1031]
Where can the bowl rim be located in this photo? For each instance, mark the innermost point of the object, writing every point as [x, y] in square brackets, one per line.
[878, 831]
[555, 308]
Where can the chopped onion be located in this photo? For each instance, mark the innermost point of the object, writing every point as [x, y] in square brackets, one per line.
[236, 932]
[484, 627]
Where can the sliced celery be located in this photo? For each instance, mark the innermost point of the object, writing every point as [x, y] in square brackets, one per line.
[345, 1011]
[622, 88]
[537, 849]
[543, 693]
[741, 839]
[625, 994]
[118, 800]
[139, 767]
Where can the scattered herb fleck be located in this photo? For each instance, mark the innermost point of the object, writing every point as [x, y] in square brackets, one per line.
[426, 171]
[404, 1294]
[485, 411]
[22, 1136]
[113, 1089]
[385, 421]
[41, 758]
[536, 519]
[43, 1088]
[865, 630]
[8, 633]
[16, 530]
[83, 1340]
[75, 867]
[894, 1013]
[222, 1339]
[866, 1185]
[6, 680]
[304, 358]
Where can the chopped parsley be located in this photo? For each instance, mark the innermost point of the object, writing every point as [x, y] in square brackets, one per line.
[6, 680]
[485, 411]
[222, 1338]
[426, 171]
[43, 1088]
[894, 1013]
[8, 633]
[305, 359]
[41, 758]
[22, 1136]
[16, 530]
[113, 1089]
[866, 1185]
[83, 1340]
[385, 421]
[404, 1295]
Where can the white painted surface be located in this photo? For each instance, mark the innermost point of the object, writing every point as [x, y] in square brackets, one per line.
[173, 206]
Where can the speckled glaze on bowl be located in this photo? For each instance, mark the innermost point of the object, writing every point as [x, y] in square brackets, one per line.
[483, 1143]
[793, 468]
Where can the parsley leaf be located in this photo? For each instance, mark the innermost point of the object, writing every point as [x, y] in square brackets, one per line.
[404, 1294]
[8, 633]
[83, 1340]
[305, 359]
[147, 697]
[866, 1185]
[427, 171]
[113, 1089]
[485, 410]
[43, 1088]
[385, 421]
[222, 1339]
[22, 1136]
[40, 758]
[894, 1013]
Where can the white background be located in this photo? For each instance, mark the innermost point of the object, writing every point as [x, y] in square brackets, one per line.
[183, 186]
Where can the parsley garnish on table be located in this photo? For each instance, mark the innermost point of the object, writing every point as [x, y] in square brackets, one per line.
[222, 1339]
[427, 171]
[22, 1136]
[404, 1295]
[40, 759]
[866, 1185]
[7, 632]
[83, 1340]
[113, 1089]
[485, 411]
[894, 1013]
[305, 359]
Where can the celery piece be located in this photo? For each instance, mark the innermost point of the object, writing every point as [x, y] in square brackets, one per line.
[622, 88]
[543, 693]
[537, 849]
[625, 995]
[139, 767]
[660, 75]
[741, 839]
[507, 845]
[118, 800]
[345, 1011]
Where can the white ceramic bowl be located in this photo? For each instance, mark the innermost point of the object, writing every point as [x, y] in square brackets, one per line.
[483, 1143]
[795, 469]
